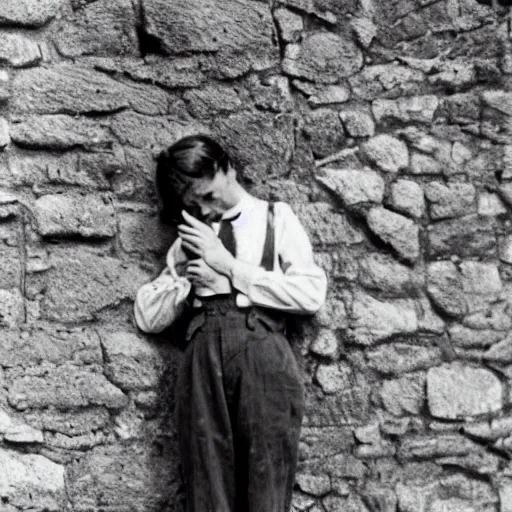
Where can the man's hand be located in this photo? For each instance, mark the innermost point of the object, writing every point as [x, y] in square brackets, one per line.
[201, 274]
[198, 237]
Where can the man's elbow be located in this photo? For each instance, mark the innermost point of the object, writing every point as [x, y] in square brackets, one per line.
[316, 298]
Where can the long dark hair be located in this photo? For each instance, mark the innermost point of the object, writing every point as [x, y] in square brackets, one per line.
[192, 157]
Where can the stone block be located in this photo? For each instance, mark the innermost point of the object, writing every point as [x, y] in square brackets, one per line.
[315, 485]
[325, 226]
[445, 288]
[5, 138]
[424, 164]
[412, 109]
[468, 236]
[238, 44]
[333, 377]
[424, 447]
[32, 481]
[104, 27]
[375, 80]
[258, 158]
[386, 152]
[347, 407]
[407, 197]
[23, 434]
[325, 344]
[10, 277]
[12, 308]
[354, 186]
[66, 89]
[29, 13]
[65, 387]
[131, 362]
[97, 476]
[466, 337]
[60, 132]
[483, 391]
[399, 358]
[212, 100]
[382, 272]
[358, 122]
[450, 200]
[401, 233]
[373, 320]
[75, 214]
[18, 51]
[81, 283]
[404, 396]
[323, 57]
[321, 442]
[324, 132]
[490, 204]
[500, 352]
[290, 25]
[327, 95]
[141, 232]
[36, 346]
[73, 423]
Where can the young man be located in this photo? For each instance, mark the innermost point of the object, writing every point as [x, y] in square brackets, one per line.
[239, 392]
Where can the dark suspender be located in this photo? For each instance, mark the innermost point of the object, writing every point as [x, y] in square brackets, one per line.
[267, 258]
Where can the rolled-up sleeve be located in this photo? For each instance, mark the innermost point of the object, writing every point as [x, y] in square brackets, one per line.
[159, 302]
[301, 286]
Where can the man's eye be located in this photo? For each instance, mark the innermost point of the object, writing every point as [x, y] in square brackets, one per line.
[208, 197]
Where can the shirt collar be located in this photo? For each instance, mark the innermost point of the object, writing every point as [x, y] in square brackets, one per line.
[239, 207]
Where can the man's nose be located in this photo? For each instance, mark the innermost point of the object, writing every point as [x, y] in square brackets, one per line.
[205, 211]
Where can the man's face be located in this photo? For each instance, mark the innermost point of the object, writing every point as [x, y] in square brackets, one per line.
[209, 197]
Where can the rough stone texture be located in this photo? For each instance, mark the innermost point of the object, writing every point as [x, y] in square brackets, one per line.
[99, 28]
[30, 13]
[79, 284]
[358, 122]
[373, 320]
[60, 132]
[386, 126]
[484, 392]
[468, 236]
[388, 153]
[327, 227]
[324, 130]
[31, 481]
[238, 43]
[398, 231]
[131, 363]
[354, 186]
[322, 57]
[452, 200]
[89, 216]
[18, 52]
[383, 273]
[407, 197]
[66, 89]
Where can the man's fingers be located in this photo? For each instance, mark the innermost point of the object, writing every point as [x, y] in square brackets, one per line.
[183, 228]
[191, 247]
[192, 221]
[191, 239]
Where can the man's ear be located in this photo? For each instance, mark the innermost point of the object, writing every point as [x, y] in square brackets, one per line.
[231, 173]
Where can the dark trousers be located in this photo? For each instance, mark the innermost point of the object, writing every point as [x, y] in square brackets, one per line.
[240, 402]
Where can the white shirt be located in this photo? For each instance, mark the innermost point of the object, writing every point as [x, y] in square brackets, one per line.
[298, 286]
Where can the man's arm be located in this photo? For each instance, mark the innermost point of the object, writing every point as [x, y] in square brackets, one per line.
[159, 302]
[301, 287]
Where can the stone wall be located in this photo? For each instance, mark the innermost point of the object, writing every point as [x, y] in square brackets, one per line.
[386, 124]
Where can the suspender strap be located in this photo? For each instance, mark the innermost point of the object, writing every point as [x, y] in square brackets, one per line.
[267, 259]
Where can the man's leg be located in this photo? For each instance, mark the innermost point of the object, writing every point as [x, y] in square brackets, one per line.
[266, 410]
[204, 428]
